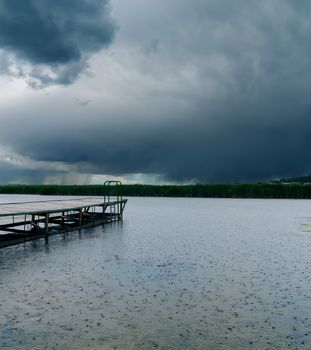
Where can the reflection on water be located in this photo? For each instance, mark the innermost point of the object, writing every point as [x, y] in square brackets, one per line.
[305, 224]
[176, 274]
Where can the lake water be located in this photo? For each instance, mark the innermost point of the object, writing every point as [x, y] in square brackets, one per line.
[175, 274]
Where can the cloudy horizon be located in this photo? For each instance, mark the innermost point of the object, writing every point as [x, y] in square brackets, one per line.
[155, 92]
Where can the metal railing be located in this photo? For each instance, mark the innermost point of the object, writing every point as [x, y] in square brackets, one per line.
[113, 197]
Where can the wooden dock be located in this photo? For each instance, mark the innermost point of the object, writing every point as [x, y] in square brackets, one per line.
[25, 221]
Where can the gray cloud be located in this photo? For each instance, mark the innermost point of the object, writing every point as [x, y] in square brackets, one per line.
[13, 174]
[227, 147]
[210, 90]
[52, 40]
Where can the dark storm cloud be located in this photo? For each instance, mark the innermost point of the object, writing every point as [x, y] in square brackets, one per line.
[228, 148]
[12, 174]
[223, 95]
[58, 34]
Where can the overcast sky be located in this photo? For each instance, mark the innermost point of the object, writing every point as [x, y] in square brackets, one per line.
[154, 90]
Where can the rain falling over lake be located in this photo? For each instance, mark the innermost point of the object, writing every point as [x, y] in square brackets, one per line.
[175, 274]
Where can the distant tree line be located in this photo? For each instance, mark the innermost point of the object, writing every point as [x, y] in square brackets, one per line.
[260, 190]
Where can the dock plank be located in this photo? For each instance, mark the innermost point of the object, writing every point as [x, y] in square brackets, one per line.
[49, 206]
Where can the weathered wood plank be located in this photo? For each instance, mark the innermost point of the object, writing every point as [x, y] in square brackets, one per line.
[53, 206]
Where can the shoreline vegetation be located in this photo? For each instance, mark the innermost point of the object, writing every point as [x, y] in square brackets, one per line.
[259, 190]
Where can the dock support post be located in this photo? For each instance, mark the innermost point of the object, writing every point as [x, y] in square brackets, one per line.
[122, 208]
[46, 224]
[32, 224]
[80, 218]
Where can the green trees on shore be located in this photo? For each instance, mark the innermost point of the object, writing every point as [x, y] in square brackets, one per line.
[262, 190]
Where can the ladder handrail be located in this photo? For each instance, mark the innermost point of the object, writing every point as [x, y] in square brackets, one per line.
[116, 183]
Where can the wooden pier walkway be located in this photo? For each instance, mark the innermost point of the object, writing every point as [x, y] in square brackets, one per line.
[24, 221]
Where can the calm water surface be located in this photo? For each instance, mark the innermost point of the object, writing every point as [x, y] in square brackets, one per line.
[176, 274]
